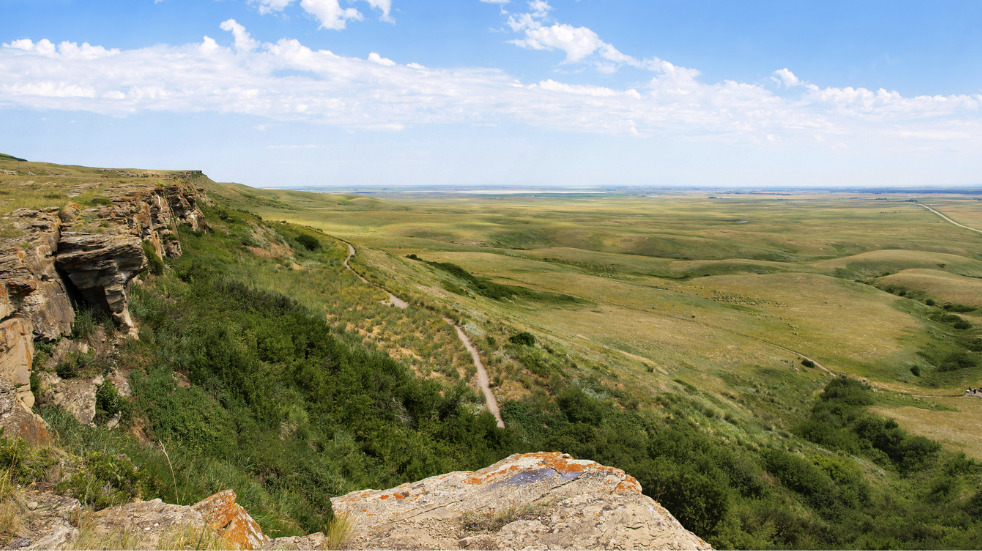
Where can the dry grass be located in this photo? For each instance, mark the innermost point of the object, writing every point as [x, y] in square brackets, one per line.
[958, 430]
[184, 536]
[10, 512]
[340, 531]
[939, 285]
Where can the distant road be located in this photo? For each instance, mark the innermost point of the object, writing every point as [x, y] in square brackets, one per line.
[976, 230]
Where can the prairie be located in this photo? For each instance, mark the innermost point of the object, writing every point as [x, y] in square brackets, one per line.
[707, 289]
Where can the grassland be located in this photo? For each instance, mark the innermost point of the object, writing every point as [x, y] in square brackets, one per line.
[692, 340]
[690, 288]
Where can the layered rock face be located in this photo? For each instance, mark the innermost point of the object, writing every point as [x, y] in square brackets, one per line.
[88, 254]
[530, 501]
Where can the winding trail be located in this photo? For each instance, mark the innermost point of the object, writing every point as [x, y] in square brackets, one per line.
[483, 380]
[969, 228]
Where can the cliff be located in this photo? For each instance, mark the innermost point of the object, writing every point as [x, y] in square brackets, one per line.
[87, 255]
[84, 252]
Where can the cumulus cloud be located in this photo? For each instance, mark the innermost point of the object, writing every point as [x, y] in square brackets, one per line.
[786, 78]
[288, 81]
[243, 40]
[329, 13]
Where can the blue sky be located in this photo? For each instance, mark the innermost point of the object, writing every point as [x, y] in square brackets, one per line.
[359, 93]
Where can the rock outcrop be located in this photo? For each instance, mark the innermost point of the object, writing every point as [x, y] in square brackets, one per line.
[530, 501]
[50, 257]
[57, 522]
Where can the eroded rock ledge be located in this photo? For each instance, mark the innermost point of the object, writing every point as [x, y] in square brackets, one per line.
[529, 501]
[53, 256]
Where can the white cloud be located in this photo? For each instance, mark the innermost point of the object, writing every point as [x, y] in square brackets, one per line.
[288, 81]
[329, 13]
[376, 58]
[270, 6]
[495, 1]
[786, 77]
[385, 6]
[243, 41]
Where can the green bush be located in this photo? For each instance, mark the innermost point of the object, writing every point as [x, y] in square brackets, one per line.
[84, 324]
[108, 402]
[956, 360]
[308, 242]
[807, 363]
[523, 339]
[73, 364]
[104, 480]
[26, 463]
[154, 264]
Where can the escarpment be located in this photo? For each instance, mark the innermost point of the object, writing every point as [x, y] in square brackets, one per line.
[86, 255]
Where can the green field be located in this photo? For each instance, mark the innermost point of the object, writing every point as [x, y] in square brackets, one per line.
[708, 289]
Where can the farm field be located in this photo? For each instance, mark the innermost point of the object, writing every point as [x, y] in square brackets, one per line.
[725, 294]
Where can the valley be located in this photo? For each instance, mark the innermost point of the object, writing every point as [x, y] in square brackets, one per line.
[777, 370]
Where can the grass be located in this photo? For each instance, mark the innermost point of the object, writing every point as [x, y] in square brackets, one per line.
[677, 286]
[10, 514]
[340, 531]
[179, 536]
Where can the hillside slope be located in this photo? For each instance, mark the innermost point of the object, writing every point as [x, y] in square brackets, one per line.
[264, 366]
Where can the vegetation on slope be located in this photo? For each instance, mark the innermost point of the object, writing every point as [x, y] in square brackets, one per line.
[256, 370]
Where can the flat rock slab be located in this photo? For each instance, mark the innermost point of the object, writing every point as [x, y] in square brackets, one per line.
[527, 501]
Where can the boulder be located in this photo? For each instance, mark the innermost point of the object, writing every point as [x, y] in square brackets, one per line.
[29, 282]
[528, 501]
[231, 521]
[17, 420]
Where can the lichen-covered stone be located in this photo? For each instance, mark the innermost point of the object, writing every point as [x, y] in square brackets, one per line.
[231, 521]
[529, 501]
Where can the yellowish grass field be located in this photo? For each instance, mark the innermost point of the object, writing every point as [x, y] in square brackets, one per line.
[940, 285]
[959, 431]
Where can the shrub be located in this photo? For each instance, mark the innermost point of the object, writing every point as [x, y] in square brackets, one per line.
[308, 242]
[807, 363]
[154, 264]
[954, 361]
[524, 339]
[104, 480]
[108, 402]
[916, 370]
[84, 323]
[930, 302]
[24, 462]
[72, 364]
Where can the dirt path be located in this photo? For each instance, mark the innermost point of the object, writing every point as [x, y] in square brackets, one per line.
[482, 375]
[393, 300]
[950, 220]
[483, 380]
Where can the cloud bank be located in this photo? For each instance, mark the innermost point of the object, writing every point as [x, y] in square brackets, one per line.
[288, 81]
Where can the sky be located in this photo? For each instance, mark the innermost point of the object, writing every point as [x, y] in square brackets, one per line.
[568, 93]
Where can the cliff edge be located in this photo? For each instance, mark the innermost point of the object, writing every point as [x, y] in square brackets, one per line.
[527, 501]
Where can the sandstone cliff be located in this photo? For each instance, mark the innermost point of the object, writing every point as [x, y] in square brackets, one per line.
[52, 257]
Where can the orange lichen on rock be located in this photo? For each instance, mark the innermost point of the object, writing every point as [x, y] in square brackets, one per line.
[231, 521]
